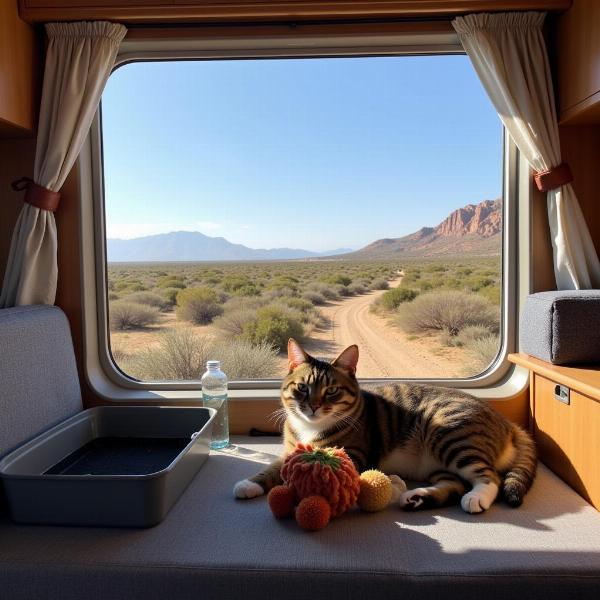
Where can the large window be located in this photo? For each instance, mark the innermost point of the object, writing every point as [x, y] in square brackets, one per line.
[333, 200]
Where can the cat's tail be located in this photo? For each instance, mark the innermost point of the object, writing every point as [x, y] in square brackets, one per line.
[521, 473]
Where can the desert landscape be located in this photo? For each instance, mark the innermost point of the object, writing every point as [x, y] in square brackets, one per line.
[423, 306]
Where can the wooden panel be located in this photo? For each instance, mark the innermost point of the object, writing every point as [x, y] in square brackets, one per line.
[580, 147]
[18, 71]
[583, 379]
[568, 438]
[578, 58]
[16, 160]
[254, 10]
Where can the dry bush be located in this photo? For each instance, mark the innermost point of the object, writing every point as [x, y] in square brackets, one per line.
[448, 311]
[199, 305]
[380, 284]
[356, 289]
[233, 321]
[129, 315]
[241, 359]
[273, 325]
[181, 356]
[325, 289]
[149, 299]
[316, 298]
[484, 350]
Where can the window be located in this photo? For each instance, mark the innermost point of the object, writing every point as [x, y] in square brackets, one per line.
[344, 200]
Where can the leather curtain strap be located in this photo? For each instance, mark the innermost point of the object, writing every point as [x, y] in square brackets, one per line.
[36, 195]
[553, 178]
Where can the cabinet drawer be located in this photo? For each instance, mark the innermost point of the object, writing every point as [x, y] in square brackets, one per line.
[568, 437]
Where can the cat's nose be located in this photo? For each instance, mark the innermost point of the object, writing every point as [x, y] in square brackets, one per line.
[314, 408]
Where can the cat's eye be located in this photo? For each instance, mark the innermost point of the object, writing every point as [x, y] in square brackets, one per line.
[331, 391]
[302, 387]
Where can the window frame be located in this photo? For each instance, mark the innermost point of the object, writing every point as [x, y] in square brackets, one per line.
[101, 370]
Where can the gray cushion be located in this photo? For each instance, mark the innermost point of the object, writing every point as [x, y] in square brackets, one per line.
[212, 546]
[39, 385]
[562, 327]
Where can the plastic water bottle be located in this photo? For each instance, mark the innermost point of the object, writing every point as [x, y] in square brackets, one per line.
[214, 395]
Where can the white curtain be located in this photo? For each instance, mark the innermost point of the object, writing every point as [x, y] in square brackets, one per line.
[509, 55]
[79, 60]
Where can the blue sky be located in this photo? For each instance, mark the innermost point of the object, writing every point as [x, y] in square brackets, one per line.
[304, 153]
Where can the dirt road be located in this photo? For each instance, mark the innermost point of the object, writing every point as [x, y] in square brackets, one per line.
[385, 351]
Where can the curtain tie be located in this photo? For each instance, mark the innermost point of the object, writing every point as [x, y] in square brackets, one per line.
[36, 195]
[553, 178]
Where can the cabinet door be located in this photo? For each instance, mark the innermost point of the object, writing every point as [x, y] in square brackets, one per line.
[578, 62]
[568, 437]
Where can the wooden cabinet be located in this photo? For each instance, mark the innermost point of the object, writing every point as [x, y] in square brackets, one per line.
[577, 49]
[18, 73]
[565, 410]
[568, 436]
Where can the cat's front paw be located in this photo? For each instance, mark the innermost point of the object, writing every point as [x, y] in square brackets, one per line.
[247, 489]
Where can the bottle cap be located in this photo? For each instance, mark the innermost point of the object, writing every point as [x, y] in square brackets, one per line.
[213, 364]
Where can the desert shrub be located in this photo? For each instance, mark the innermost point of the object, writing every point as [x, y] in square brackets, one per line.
[272, 325]
[316, 298]
[300, 304]
[472, 333]
[231, 324]
[233, 283]
[241, 359]
[182, 355]
[278, 293]
[283, 282]
[484, 350]
[129, 315]
[247, 290]
[393, 298]
[112, 296]
[343, 290]
[379, 284]
[338, 279]
[357, 289]
[199, 305]
[170, 295]
[324, 289]
[449, 311]
[172, 281]
[148, 298]
[492, 293]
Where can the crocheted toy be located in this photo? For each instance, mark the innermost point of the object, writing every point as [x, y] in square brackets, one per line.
[326, 484]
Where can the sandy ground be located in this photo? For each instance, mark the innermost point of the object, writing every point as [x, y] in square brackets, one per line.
[385, 351]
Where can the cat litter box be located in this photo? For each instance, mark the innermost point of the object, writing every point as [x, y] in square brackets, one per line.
[108, 466]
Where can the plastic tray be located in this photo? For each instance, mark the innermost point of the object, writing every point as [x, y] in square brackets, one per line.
[108, 466]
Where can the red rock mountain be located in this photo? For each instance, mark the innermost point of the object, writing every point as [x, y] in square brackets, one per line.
[474, 229]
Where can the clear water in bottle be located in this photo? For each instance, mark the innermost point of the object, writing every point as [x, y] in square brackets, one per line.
[214, 395]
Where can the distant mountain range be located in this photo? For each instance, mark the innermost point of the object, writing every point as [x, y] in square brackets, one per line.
[195, 246]
[474, 229]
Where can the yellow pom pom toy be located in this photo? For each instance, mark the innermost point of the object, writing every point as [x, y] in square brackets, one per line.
[375, 491]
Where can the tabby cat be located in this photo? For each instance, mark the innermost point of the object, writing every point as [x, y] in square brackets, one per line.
[464, 448]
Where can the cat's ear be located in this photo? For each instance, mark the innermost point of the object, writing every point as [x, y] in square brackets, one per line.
[296, 354]
[348, 359]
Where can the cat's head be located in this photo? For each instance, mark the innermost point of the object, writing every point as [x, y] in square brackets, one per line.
[316, 392]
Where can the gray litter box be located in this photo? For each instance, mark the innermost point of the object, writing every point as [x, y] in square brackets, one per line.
[110, 466]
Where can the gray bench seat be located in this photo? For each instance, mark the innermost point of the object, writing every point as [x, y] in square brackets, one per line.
[212, 546]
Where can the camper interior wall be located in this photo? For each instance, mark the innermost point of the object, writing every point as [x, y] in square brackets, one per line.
[581, 148]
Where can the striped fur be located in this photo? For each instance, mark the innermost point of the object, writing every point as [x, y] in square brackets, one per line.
[450, 438]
